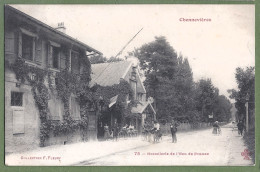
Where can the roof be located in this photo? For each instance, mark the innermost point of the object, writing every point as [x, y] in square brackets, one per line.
[107, 74]
[139, 85]
[141, 107]
[20, 13]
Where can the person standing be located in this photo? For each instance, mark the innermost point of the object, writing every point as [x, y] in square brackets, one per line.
[240, 127]
[115, 131]
[156, 126]
[106, 132]
[216, 128]
[173, 128]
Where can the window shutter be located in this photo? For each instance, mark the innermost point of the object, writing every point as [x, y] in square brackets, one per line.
[75, 109]
[20, 45]
[33, 49]
[38, 55]
[9, 43]
[18, 121]
[62, 62]
[50, 55]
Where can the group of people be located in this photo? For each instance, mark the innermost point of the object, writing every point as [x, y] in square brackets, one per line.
[128, 130]
[113, 134]
[240, 127]
[115, 131]
[154, 129]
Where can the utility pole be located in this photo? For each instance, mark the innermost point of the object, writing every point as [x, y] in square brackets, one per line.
[247, 99]
[120, 52]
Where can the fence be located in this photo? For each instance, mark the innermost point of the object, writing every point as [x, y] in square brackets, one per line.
[165, 129]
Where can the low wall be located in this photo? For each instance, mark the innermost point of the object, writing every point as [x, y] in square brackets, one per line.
[183, 127]
[64, 139]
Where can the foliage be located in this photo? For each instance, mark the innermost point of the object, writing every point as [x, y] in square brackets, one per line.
[205, 96]
[169, 80]
[245, 79]
[158, 60]
[39, 91]
[122, 90]
[249, 139]
[97, 59]
[66, 84]
[65, 127]
[114, 59]
[102, 59]
[222, 108]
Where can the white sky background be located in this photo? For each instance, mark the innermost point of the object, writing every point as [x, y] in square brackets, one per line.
[214, 49]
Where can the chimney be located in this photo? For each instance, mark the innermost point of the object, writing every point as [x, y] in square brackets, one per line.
[61, 27]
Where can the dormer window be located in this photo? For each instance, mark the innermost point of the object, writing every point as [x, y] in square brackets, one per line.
[133, 74]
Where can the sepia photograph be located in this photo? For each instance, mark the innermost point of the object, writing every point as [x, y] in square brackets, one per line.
[129, 85]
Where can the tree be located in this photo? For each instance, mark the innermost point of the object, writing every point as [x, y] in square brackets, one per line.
[114, 59]
[184, 86]
[159, 62]
[169, 80]
[97, 59]
[205, 97]
[245, 79]
[102, 59]
[222, 109]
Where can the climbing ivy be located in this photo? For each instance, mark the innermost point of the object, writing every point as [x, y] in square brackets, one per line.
[35, 77]
[66, 84]
[123, 89]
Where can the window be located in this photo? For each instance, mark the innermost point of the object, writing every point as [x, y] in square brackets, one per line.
[16, 99]
[140, 96]
[133, 86]
[55, 57]
[27, 47]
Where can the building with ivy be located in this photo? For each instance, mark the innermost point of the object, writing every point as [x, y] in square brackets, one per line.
[46, 72]
[135, 110]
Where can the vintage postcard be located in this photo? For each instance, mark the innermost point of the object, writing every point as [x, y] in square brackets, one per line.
[129, 85]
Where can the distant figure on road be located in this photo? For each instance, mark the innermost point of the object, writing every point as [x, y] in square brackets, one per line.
[216, 128]
[240, 127]
[106, 132]
[173, 128]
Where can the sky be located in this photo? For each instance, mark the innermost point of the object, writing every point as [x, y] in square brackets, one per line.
[214, 49]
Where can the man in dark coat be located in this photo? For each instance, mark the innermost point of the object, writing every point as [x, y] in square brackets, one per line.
[173, 131]
[240, 127]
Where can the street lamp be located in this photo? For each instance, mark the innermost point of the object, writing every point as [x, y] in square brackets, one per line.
[247, 99]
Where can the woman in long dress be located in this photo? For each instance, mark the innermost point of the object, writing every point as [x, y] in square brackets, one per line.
[106, 133]
[216, 128]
